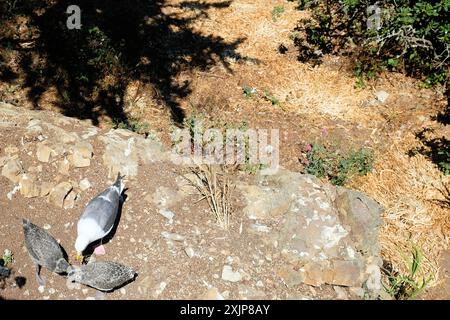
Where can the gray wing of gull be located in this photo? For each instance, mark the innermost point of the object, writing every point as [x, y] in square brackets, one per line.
[103, 209]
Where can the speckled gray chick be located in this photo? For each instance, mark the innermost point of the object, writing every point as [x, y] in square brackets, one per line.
[44, 250]
[102, 275]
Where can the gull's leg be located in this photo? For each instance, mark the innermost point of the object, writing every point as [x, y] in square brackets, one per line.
[100, 250]
[39, 279]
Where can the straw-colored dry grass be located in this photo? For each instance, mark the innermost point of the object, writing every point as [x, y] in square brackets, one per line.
[410, 189]
[214, 185]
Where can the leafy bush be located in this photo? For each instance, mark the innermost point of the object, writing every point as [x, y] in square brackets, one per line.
[321, 161]
[412, 37]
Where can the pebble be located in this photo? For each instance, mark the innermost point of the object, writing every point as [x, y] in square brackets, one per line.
[123, 291]
[47, 226]
[189, 251]
[172, 236]
[229, 275]
[85, 291]
[51, 291]
[167, 214]
[41, 289]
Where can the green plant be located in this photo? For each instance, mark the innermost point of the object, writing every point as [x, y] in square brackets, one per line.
[249, 91]
[409, 285]
[8, 257]
[270, 97]
[412, 37]
[323, 162]
[277, 12]
[132, 125]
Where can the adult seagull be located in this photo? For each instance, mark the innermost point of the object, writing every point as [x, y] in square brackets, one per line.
[99, 216]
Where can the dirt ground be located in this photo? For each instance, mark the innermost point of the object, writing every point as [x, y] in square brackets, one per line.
[313, 100]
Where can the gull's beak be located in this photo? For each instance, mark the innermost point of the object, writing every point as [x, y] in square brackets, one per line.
[79, 257]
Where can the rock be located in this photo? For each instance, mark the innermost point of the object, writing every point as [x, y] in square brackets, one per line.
[189, 252]
[259, 227]
[340, 292]
[12, 170]
[290, 276]
[363, 215]
[229, 275]
[10, 150]
[64, 167]
[59, 194]
[249, 293]
[325, 234]
[28, 186]
[150, 151]
[69, 201]
[46, 188]
[120, 155]
[84, 184]
[382, 96]
[357, 291]
[158, 290]
[172, 236]
[265, 203]
[44, 153]
[211, 294]
[90, 132]
[41, 289]
[82, 154]
[167, 214]
[165, 197]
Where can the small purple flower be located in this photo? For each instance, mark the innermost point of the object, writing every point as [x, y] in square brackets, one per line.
[308, 147]
[325, 132]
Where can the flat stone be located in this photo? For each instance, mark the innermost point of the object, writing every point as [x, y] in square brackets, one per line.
[211, 294]
[64, 166]
[46, 188]
[172, 236]
[82, 154]
[84, 184]
[290, 276]
[382, 96]
[59, 193]
[29, 188]
[189, 252]
[44, 153]
[12, 170]
[229, 275]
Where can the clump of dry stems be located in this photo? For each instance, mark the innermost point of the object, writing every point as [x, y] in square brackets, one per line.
[213, 183]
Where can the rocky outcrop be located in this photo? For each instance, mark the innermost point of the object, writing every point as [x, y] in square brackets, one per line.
[318, 233]
[325, 234]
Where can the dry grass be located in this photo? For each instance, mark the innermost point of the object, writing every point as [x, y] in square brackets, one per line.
[411, 189]
[213, 183]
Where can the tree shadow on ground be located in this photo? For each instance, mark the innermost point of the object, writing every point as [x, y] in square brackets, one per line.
[119, 42]
[435, 149]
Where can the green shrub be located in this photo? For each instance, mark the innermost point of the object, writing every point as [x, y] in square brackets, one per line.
[277, 12]
[322, 162]
[414, 37]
